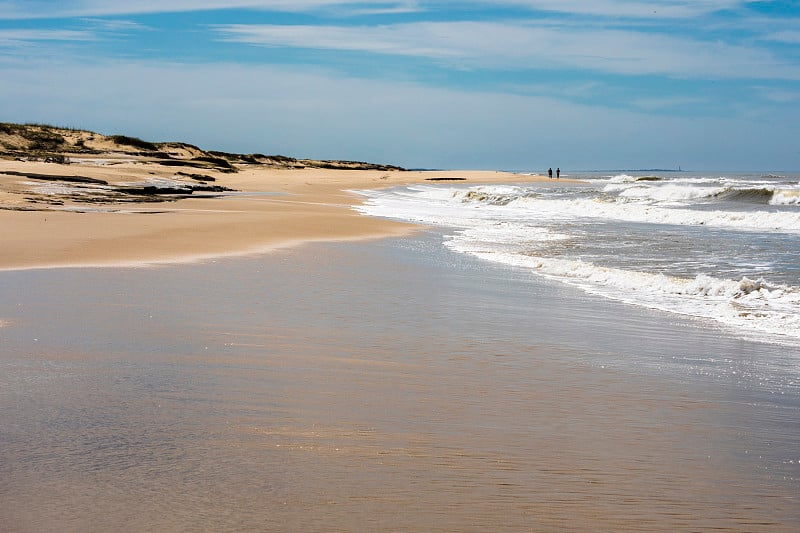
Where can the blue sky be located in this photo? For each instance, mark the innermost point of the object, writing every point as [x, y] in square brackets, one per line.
[508, 84]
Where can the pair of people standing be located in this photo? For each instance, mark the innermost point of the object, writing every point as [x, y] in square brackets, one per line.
[550, 173]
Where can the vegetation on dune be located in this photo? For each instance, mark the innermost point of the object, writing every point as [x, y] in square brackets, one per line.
[52, 127]
[216, 161]
[133, 141]
[9, 128]
[54, 144]
[36, 138]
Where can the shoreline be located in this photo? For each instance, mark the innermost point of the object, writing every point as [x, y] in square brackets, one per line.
[54, 223]
[337, 386]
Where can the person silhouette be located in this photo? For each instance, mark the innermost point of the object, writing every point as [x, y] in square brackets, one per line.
[558, 173]
[550, 172]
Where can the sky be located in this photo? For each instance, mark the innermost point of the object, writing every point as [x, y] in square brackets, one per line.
[506, 84]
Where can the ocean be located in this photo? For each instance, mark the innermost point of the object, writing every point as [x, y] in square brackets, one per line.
[415, 383]
[721, 248]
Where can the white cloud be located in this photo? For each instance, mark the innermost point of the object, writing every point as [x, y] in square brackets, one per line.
[115, 25]
[778, 96]
[419, 39]
[15, 9]
[657, 104]
[676, 9]
[285, 110]
[30, 9]
[789, 36]
[523, 46]
[16, 37]
[392, 8]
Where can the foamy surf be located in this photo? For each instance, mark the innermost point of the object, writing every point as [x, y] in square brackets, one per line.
[631, 204]
[745, 305]
[716, 248]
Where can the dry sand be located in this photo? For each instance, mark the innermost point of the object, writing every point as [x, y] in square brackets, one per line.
[49, 223]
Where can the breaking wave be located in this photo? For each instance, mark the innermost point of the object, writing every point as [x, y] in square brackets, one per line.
[746, 305]
[557, 232]
[785, 197]
[653, 213]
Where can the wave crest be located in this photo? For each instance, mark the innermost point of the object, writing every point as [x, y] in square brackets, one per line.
[786, 197]
[745, 304]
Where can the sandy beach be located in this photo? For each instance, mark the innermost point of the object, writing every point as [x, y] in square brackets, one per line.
[384, 383]
[265, 208]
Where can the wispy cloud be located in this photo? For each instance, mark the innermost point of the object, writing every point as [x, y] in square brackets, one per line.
[669, 9]
[659, 104]
[19, 37]
[527, 46]
[31, 9]
[789, 36]
[677, 9]
[388, 8]
[115, 25]
[430, 40]
[466, 83]
[778, 96]
[288, 110]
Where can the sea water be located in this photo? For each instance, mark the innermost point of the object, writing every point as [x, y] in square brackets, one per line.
[380, 386]
[454, 380]
[720, 247]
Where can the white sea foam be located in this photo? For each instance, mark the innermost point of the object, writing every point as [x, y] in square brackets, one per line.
[670, 193]
[622, 178]
[519, 226]
[746, 305]
[785, 197]
[642, 212]
[673, 193]
[432, 205]
[505, 236]
[687, 192]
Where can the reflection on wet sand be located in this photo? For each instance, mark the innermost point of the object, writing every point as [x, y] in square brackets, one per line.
[308, 393]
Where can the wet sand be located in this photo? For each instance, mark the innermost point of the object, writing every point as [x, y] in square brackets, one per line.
[381, 386]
